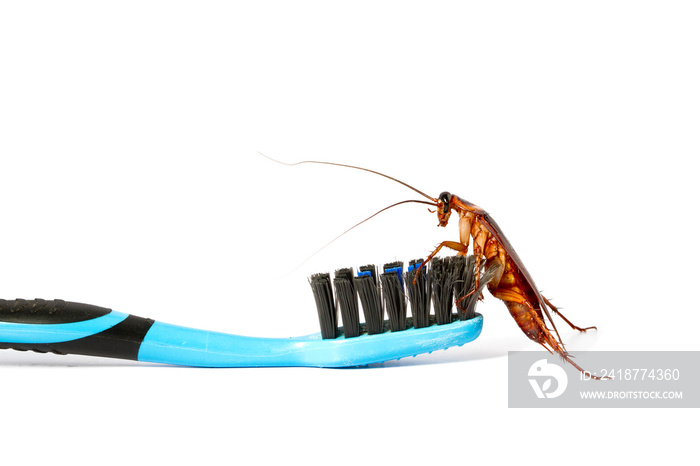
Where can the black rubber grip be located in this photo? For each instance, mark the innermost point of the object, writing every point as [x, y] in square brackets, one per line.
[122, 340]
[42, 311]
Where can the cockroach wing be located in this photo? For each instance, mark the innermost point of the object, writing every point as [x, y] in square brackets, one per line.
[496, 231]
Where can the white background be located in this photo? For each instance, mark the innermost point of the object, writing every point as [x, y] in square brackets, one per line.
[129, 178]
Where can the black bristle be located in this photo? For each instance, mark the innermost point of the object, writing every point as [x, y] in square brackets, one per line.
[418, 293]
[457, 266]
[370, 297]
[440, 283]
[467, 306]
[443, 280]
[464, 285]
[347, 302]
[327, 313]
[394, 299]
[392, 265]
[369, 270]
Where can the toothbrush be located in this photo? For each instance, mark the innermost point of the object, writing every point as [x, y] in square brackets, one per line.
[64, 327]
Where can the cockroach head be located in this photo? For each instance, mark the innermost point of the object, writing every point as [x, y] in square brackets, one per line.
[444, 208]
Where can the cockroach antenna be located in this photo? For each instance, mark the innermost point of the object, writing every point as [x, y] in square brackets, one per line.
[434, 201]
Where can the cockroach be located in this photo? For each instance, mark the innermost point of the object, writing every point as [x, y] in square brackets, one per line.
[512, 283]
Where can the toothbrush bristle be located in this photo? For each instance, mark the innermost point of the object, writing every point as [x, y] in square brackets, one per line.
[394, 299]
[438, 285]
[419, 291]
[443, 289]
[370, 297]
[327, 313]
[347, 302]
[464, 270]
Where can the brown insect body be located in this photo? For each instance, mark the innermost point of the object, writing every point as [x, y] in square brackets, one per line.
[512, 283]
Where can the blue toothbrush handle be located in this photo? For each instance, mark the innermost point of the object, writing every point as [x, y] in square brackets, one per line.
[72, 328]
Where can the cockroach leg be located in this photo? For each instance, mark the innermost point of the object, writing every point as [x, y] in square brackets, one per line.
[459, 247]
[556, 311]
